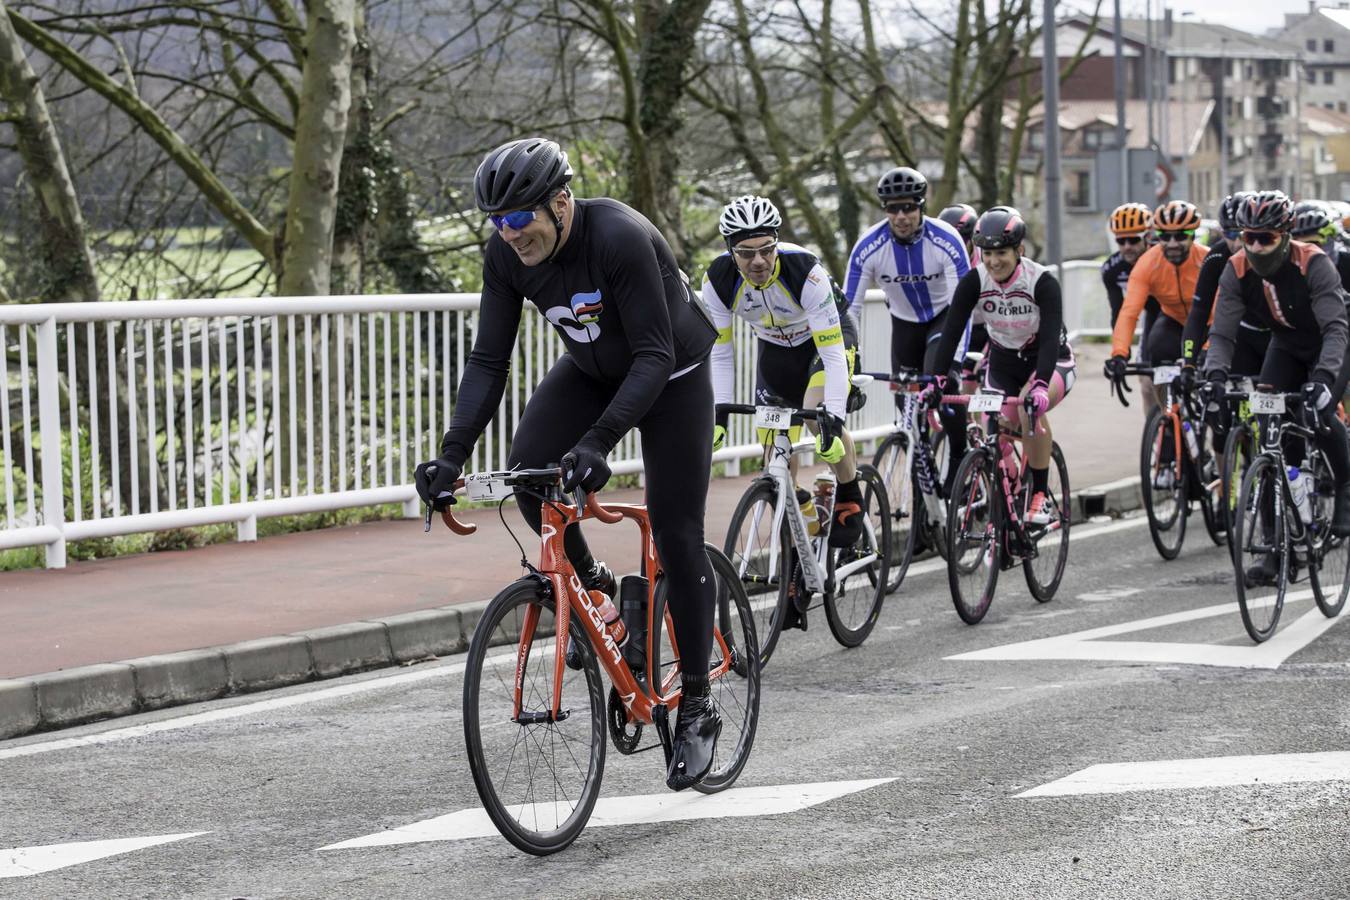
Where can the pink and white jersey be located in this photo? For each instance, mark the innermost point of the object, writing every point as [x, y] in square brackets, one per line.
[1009, 311]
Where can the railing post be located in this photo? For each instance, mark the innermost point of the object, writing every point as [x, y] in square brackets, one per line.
[49, 433]
[247, 529]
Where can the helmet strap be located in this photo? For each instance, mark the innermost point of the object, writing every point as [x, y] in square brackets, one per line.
[557, 226]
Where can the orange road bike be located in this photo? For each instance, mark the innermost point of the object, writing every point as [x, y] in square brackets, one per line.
[535, 727]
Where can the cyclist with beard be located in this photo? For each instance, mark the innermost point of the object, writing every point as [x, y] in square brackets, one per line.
[1293, 288]
[916, 260]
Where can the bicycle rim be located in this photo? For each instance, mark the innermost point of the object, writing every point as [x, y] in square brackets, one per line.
[854, 605]
[1330, 576]
[1261, 527]
[538, 779]
[1045, 570]
[1238, 452]
[893, 466]
[750, 539]
[973, 537]
[1166, 507]
[735, 691]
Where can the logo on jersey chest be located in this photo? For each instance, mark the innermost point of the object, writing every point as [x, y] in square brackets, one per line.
[580, 319]
[1007, 308]
[919, 278]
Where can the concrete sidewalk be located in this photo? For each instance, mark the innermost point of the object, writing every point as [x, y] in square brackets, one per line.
[132, 634]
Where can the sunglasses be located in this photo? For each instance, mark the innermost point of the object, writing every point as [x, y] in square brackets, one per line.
[1166, 237]
[1233, 234]
[749, 253]
[1128, 241]
[896, 208]
[1260, 238]
[517, 220]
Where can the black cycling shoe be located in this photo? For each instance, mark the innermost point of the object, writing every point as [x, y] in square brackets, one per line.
[599, 578]
[696, 731]
[848, 520]
[1340, 516]
[1265, 572]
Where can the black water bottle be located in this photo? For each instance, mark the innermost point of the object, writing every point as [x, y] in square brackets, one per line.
[633, 611]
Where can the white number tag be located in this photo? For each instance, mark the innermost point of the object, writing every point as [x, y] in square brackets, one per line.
[772, 417]
[1266, 403]
[1166, 374]
[485, 487]
[986, 402]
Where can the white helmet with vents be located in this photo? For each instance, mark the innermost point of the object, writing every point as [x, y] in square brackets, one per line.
[749, 215]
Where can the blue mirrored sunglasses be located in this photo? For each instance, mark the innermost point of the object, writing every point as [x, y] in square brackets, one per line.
[517, 220]
[1234, 234]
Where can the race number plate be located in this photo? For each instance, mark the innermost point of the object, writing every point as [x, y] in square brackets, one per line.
[1266, 404]
[486, 487]
[986, 403]
[1165, 374]
[772, 417]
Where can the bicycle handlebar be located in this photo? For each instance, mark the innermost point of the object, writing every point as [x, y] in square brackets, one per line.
[528, 478]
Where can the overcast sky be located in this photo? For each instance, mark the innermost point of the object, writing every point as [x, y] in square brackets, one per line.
[1255, 16]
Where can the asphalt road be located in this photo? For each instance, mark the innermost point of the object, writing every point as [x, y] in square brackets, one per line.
[258, 784]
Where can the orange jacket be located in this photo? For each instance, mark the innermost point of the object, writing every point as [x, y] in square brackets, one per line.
[1153, 276]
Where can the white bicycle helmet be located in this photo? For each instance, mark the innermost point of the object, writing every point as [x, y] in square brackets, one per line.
[748, 216]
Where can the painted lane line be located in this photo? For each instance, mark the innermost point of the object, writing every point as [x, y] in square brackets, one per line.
[1085, 645]
[246, 709]
[1180, 774]
[21, 862]
[770, 800]
[938, 564]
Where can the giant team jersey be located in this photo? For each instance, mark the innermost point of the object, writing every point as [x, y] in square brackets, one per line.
[918, 278]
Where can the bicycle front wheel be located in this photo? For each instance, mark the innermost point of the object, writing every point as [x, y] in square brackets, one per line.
[734, 667]
[538, 775]
[1044, 569]
[1261, 547]
[854, 605]
[892, 464]
[1163, 483]
[1330, 573]
[760, 556]
[1209, 488]
[973, 539]
[1238, 452]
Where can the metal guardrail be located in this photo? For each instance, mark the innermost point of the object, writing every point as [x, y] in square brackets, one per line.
[163, 414]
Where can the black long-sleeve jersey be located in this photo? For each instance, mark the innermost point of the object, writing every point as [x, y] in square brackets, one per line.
[614, 294]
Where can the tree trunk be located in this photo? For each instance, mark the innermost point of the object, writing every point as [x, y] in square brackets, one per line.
[65, 250]
[320, 130]
[357, 203]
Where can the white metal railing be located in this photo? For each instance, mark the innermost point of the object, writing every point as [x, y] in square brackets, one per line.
[153, 415]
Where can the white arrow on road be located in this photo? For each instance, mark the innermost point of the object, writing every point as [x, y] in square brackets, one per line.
[20, 862]
[1177, 774]
[1086, 645]
[737, 802]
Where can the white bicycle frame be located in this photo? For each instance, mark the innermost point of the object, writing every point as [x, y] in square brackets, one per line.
[907, 423]
[814, 562]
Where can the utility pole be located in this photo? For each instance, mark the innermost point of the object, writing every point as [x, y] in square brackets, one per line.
[1120, 111]
[1050, 71]
[1150, 75]
[1221, 101]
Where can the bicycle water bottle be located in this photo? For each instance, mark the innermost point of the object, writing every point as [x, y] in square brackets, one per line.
[824, 502]
[610, 615]
[633, 617]
[1192, 444]
[1299, 484]
[807, 504]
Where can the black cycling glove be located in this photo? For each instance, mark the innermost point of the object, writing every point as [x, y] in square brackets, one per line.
[584, 467]
[434, 480]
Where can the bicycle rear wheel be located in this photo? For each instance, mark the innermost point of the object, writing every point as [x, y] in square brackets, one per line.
[735, 691]
[1164, 502]
[751, 538]
[1238, 452]
[1045, 570]
[538, 777]
[1330, 572]
[1208, 485]
[853, 607]
[892, 464]
[973, 539]
[1261, 528]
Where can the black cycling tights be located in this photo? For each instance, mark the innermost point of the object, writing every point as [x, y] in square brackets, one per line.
[914, 346]
[1286, 369]
[677, 459]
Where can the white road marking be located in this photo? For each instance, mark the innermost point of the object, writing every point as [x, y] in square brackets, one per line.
[1108, 594]
[770, 800]
[1178, 774]
[1077, 533]
[20, 862]
[1084, 645]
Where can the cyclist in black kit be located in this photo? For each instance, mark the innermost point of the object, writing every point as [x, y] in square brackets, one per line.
[637, 347]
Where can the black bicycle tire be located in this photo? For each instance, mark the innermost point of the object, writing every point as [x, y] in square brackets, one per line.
[1044, 593]
[972, 614]
[845, 635]
[761, 489]
[1254, 472]
[1155, 530]
[900, 565]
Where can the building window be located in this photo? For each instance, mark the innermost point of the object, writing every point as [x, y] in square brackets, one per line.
[1341, 106]
[1079, 190]
[1329, 76]
[1328, 45]
[1098, 139]
[1311, 74]
[1312, 45]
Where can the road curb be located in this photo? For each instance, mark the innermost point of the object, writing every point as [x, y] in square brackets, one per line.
[89, 693]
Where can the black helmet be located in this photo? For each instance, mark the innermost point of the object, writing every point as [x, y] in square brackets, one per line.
[1310, 217]
[1000, 226]
[1228, 210]
[1265, 211]
[962, 218]
[520, 175]
[902, 183]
